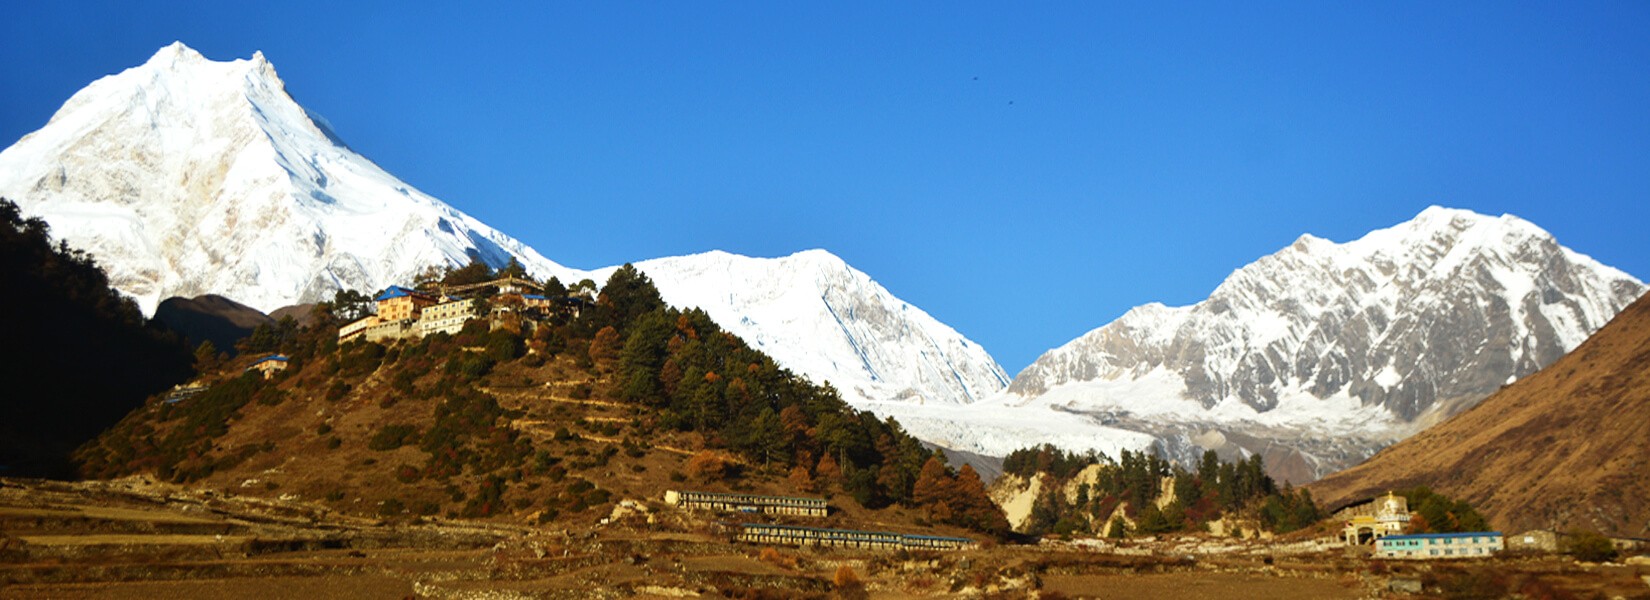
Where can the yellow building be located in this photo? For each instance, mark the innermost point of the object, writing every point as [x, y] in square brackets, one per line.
[360, 326]
[399, 304]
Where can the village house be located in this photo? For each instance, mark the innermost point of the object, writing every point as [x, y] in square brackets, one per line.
[1429, 546]
[1374, 519]
[269, 365]
[407, 313]
[1538, 540]
[747, 503]
[791, 535]
[400, 304]
[182, 392]
[1551, 541]
[359, 327]
[449, 316]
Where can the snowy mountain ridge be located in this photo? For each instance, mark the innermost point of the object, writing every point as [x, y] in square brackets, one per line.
[817, 315]
[1336, 350]
[185, 176]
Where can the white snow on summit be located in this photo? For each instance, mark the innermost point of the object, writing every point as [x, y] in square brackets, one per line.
[185, 176]
[819, 317]
[1339, 349]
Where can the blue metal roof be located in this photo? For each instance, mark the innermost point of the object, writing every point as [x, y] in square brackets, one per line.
[1434, 536]
[271, 357]
[533, 297]
[394, 291]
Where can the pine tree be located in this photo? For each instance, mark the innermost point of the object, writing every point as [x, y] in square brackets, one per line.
[765, 438]
[207, 357]
[555, 288]
[1118, 529]
[513, 269]
[828, 471]
[604, 348]
[933, 484]
[800, 480]
[474, 272]
[628, 294]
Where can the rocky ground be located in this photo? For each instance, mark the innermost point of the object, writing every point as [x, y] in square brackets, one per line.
[134, 538]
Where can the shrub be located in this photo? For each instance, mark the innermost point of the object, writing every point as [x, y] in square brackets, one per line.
[1590, 546]
[708, 465]
[847, 583]
[470, 366]
[504, 346]
[776, 558]
[390, 437]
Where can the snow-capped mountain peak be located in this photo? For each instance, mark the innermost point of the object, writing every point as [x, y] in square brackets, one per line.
[1395, 330]
[822, 318]
[186, 176]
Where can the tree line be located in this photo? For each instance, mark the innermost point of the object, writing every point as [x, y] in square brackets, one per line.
[1132, 489]
[682, 370]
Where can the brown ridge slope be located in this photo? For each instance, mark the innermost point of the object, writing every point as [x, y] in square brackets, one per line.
[1566, 447]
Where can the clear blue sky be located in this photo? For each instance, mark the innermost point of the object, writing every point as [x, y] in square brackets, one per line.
[1023, 173]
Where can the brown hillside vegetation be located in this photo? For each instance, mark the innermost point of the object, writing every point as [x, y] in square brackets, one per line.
[539, 419]
[1566, 447]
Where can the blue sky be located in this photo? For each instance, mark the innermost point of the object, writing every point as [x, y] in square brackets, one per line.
[1024, 173]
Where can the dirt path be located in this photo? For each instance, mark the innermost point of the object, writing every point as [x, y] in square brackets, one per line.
[1199, 586]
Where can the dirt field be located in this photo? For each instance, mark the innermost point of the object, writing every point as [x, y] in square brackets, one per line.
[1201, 586]
[127, 539]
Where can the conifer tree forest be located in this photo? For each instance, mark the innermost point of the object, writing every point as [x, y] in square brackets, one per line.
[81, 357]
[1138, 482]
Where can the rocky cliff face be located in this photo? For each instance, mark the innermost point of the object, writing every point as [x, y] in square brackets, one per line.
[1338, 349]
[1567, 447]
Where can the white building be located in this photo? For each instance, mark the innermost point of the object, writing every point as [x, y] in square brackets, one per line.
[1472, 544]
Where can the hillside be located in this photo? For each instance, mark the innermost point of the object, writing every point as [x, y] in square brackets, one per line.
[548, 418]
[210, 318]
[1566, 447]
[80, 355]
